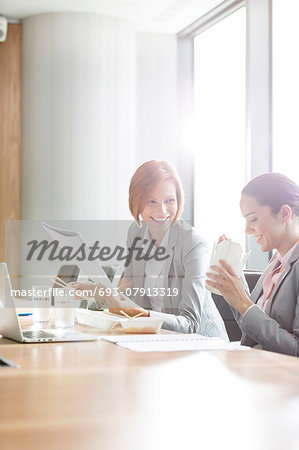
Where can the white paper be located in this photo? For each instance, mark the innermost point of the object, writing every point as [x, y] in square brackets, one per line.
[92, 269]
[178, 346]
[232, 253]
[172, 342]
[158, 337]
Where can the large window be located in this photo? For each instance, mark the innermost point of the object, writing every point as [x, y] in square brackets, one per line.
[286, 88]
[220, 94]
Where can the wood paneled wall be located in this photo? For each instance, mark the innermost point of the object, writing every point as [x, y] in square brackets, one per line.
[10, 131]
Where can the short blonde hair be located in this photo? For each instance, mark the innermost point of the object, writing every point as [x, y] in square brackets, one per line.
[146, 178]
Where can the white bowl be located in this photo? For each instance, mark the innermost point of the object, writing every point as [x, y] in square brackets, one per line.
[97, 319]
[142, 325]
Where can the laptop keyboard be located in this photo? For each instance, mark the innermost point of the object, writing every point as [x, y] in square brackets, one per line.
[38, 334]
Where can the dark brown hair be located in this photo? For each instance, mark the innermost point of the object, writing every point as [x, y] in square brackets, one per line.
[274, 190]
[146, 178]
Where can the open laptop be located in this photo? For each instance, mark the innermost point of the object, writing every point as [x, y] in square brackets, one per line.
[9, 320]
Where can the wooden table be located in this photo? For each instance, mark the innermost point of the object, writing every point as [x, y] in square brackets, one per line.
[95, 395]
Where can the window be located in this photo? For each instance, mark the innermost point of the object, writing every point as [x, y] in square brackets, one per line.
[285, 88]
[220, 157]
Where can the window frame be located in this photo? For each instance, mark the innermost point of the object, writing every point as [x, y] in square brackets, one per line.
[258, 95]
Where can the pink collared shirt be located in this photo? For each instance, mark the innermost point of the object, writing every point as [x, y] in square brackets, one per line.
[272, 278]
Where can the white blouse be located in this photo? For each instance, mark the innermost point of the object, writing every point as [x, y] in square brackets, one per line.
[154, 274]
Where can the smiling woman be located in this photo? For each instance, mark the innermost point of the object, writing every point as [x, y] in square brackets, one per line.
[161, 206]
[172, 289]
[156, 183]
[269, 319]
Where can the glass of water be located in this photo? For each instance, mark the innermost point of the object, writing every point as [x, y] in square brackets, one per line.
[41, 305]
[65, 307]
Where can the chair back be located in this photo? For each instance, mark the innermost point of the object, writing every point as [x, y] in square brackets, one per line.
[232, 327]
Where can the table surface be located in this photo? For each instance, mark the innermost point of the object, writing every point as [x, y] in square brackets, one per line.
[96, 395]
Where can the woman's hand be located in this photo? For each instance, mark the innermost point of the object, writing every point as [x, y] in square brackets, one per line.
[222, 238]
[131, 311]
[229, 284]
[91, 290]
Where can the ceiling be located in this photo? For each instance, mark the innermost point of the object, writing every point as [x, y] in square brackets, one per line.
[161, 16]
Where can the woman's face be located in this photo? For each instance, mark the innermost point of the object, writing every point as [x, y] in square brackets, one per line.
[266, 227]
[161, 204]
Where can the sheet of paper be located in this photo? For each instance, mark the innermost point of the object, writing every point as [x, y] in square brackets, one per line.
[171, 342]
[93, 269]
[65, 238]
[159, 337]
[177, 346]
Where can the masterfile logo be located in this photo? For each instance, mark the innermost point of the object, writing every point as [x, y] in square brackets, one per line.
[53, 251]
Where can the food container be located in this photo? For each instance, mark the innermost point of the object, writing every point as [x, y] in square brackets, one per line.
[142, 325]
[103, 320]
[232, 253]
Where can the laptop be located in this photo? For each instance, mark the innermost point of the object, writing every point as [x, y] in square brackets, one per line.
[10, 325]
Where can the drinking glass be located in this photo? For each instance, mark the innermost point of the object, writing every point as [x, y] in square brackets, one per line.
[65, 306]
[41, 305]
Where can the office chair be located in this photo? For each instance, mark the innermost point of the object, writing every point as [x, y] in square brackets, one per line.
[232, 328]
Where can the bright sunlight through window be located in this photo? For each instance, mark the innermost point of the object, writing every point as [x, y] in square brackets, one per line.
[220, 162]
[285, 88]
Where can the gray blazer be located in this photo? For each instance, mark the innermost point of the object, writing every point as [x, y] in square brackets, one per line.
[276, 329]
[193, 309]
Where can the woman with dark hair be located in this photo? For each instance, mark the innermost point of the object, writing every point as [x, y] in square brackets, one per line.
[269, 318]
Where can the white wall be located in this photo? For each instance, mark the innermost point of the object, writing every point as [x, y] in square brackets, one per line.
[98, 100]
[78, 116]
[164, 105]
[156, 84]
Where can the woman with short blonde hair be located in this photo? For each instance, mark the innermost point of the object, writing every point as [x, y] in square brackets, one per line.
[165, 277]
[172, 288]
[146, 178]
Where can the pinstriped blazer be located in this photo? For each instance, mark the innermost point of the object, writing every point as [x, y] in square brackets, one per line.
[276, 329]
[193, 309]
